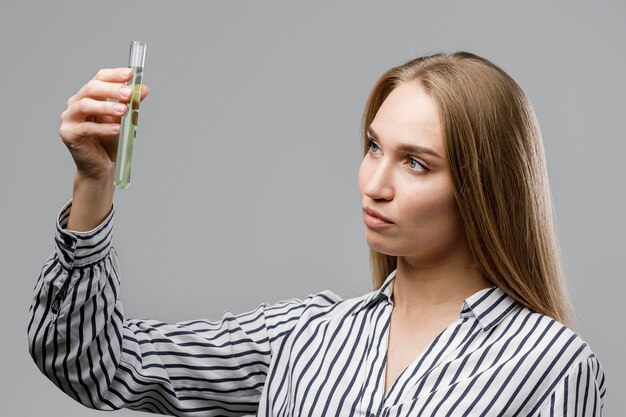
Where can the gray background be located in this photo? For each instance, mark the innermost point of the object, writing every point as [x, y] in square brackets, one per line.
[244, 185]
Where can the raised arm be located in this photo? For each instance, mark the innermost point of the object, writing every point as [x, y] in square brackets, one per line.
[77, 332]
[79, 338]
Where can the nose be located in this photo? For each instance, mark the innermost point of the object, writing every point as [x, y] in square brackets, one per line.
[379, 184]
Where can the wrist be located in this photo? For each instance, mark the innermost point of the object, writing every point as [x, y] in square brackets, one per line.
[91, 202]
[99, 184]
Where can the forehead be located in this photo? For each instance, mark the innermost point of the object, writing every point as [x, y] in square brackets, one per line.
[409, 115]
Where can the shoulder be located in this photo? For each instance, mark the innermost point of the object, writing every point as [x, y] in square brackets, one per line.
[329, 302]
[571, 367]
[315, 303]
[320, 299]
[327, 305]
[324, 305]
[552, 339]
[553, 351]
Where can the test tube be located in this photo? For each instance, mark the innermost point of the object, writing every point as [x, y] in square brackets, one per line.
[128, 123]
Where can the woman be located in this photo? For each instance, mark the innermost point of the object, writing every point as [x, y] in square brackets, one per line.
[469, 315]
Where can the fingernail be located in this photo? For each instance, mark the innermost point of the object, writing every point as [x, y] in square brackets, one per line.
[120, 107]
[126, 72]
[125, 91]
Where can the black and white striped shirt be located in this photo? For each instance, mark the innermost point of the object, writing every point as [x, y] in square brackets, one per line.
[319, 356]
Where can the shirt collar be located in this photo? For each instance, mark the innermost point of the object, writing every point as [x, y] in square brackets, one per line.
[489, 305]
[383, 292]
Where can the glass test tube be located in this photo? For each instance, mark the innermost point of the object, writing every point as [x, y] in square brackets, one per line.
[128, 123]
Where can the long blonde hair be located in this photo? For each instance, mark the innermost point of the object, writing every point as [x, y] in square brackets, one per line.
[498, 171]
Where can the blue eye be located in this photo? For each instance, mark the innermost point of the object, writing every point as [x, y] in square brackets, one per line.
[371, 144]
[419, 163]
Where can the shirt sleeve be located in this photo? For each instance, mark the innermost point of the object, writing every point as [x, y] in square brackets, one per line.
[581, 393]
[79, 338]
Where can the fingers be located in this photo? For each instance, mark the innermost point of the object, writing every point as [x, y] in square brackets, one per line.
[71, 131]
[108, 83]
[86, 107]
[144, 91]
[113, 74]
[101, 90]
[90, 112]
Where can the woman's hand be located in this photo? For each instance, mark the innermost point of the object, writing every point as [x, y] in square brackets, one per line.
[90, 124]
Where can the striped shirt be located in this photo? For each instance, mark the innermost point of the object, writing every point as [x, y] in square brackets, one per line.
[317, 356]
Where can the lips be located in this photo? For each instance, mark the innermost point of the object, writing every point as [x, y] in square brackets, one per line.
[375, 213]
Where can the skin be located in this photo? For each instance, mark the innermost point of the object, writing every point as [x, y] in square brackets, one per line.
[89, 129]
[435, 273]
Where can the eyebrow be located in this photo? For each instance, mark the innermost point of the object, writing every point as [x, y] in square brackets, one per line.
[406, 146]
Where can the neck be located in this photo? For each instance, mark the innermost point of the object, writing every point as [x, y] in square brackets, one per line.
[435, 290]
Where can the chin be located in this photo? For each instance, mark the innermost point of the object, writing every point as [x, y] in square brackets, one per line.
[380, 247]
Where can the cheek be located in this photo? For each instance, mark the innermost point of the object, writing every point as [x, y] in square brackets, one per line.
[426, 206]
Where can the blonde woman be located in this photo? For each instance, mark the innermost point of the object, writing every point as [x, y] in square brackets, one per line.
[469, 315]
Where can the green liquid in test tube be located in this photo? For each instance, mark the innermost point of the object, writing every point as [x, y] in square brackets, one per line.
[128, 123]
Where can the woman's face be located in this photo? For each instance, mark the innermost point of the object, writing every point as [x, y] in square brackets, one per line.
[412, 189]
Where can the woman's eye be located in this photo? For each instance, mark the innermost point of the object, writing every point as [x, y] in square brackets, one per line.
[419, 163]
[371, 143]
